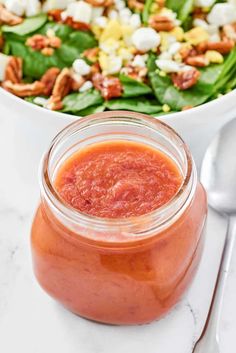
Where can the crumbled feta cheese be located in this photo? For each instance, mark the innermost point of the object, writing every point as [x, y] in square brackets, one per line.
[145, 39]
[215, 38]
[135, 21]
[80, 11]
[125, 54]
[168, 65]
[198, 22]
[101, 21]
[113, 15]
[15, 6]
[33, 7]
[97, 12]
[4, 59]
[56, 4]
[81, 67]
[222, 14]
[125, 15]
[204, 3]
[165, 56]
[139, 61]
[41, 101]
[86, 86]
[174, 48]
[120, 4]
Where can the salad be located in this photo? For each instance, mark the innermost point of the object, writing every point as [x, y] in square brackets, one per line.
[149, 56]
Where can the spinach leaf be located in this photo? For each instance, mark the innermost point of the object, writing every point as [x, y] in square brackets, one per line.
[146, 11]
[139, 104]
[76, 102]
[61, 30]
[29, 25]
[167, 93]
[91, 110]
[75, 45]
[133, 88]
[183, 8]
[34, 64]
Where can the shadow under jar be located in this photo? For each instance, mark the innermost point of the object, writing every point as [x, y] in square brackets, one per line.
[126, 270]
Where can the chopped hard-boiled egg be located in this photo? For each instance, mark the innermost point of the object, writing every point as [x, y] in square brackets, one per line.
[214, 57]
[81, 67]
[109, 46]
[222, 14]
[196, 35]
[145, 39]
[112, 30]
[4, 60]
[110, 64]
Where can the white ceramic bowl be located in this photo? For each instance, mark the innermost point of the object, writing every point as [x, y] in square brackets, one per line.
[35, 126]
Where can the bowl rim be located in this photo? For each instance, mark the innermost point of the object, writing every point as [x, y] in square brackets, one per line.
[166, 117]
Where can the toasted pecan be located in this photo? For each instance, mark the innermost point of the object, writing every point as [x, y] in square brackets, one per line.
[198, 60]
[137, 73]
[161, 23]
[137, 5]
[6, 17]
[55, 15]
[109, 86]
[13, 71]
[38, 42]
[24, 89]
[49, 79]
[185, 79]
[98, 3]
[91, 54]
[223, 47]
[77, 25]
[62, 87]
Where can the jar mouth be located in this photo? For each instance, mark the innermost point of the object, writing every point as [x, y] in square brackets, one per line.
[157, 218]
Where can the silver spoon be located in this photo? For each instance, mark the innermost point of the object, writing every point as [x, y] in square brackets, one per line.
[218, 175]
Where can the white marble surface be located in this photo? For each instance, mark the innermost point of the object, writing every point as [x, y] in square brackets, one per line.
[31, 322]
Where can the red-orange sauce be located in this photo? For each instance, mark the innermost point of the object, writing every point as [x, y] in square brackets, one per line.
[118, 179]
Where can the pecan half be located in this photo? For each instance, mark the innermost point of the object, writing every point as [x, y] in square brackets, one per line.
[199, 13]
[13, 71]
[98, 3]
[198, 60]
[229, 32]
[24, 89]
[137, 73]
[6, 17]
[62, 87]
[49, 79]
[185, 79]
[223, 47]
[38, 42]
[109, 86]
[55, 15]
[161, 23]
[77, 25]
[187, 51]
[77, 82]
[137, 5]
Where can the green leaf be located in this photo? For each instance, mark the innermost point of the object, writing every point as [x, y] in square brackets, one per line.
[133, 88]
[76, 102]
[139, 104]
[61, 30]
[146, 11]
[185, 10]
[29, 25]
[34, 64]
[91, 110]
[167, 93]
[76, 43]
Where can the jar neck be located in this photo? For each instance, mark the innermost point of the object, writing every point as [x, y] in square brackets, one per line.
[111, 126]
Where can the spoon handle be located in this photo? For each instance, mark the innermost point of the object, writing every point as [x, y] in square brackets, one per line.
[209, 339]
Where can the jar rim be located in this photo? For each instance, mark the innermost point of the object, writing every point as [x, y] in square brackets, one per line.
[55, 201]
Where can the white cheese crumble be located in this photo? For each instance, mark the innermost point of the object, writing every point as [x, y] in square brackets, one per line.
[81, 67]
[145, 39]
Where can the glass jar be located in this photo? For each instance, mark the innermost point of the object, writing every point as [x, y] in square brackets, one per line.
[118, 271]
